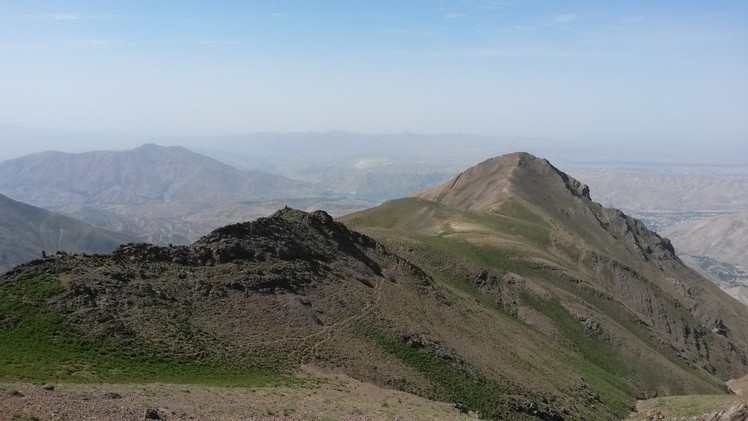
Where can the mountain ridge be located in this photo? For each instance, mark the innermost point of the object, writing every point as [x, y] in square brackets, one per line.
[536, 304]
[522, 206]
[157, 192]
[147, 174]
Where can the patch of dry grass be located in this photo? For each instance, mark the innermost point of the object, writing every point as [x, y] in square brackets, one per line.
[318, 396]
[684, 407]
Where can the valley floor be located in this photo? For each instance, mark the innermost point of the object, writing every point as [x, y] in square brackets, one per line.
[328, 397]
[697, 407]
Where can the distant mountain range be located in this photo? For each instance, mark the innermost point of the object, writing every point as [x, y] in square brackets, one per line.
[27, 231]
[653, 188]
[172, 195]
[145, 175]
[723, 238]
[149, 191]
[718, 246]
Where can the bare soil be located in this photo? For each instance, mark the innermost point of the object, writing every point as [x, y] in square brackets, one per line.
[336, 397]
[694, 406]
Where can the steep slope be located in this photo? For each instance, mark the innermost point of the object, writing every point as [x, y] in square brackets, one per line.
[592, 279]
[147, 174]
[717, 247]
[26, 231]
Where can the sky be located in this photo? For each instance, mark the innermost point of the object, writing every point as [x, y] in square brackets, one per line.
[615, 72]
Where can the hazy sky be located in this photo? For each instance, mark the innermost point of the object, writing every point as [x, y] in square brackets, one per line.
[669, 72]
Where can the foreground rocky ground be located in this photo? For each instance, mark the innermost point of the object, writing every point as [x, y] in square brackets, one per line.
[328, 397]
[697, 407]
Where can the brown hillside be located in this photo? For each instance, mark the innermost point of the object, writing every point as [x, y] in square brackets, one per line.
[283, 291]
[529, 236]
[606, 234]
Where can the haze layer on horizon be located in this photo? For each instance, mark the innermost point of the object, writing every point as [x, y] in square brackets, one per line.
[621, 73]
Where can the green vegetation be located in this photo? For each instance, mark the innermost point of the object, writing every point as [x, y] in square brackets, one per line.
[436, 251]
[606, 368]
[43, 347]
[524, 319]
[513, 220]
[451, 383]
[599, 364]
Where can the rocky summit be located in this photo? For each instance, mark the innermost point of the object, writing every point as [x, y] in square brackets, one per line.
[506, 291]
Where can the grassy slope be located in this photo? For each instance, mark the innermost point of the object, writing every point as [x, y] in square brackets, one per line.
[513, 242]
[53, 350]
[476, 366]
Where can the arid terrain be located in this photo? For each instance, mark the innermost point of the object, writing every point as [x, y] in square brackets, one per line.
[723, 238]
[318, 396]
[732, 407]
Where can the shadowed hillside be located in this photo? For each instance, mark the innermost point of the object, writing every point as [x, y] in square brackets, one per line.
[26, 231]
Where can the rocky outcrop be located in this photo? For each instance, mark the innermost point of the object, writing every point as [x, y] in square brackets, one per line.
[737, 412]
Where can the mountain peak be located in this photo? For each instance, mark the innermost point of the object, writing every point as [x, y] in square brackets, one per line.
[485, 185]
[287, 234]
[276, 225]
[555, 197]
